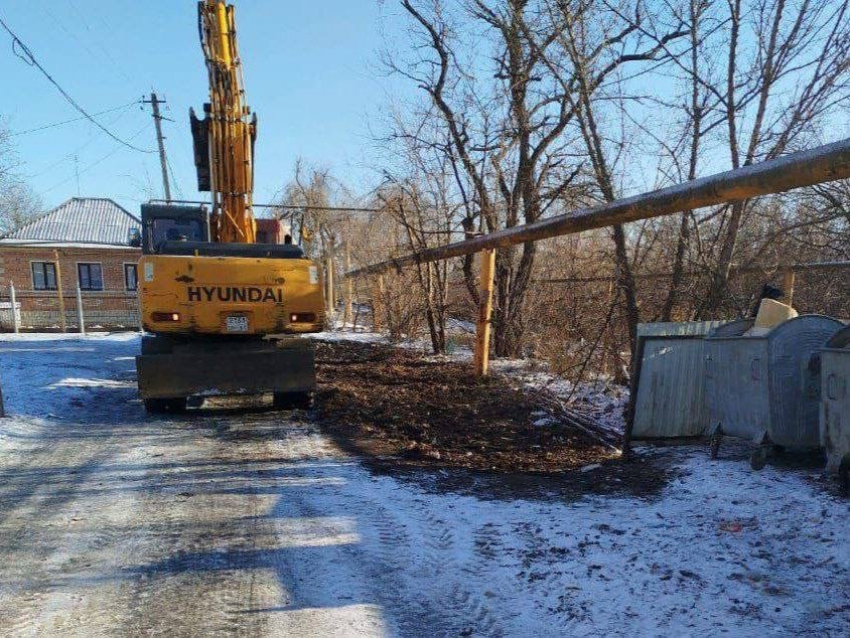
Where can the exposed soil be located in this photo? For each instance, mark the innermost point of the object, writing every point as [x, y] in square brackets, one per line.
[393, 404]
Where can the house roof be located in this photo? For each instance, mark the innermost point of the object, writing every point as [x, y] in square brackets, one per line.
[79, 221]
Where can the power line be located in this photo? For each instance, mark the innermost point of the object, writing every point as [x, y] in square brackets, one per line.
[98, 41]
[93, 136]
[71, 34]
[76, 119]
[295, 207]
[95, 163]
[27, 56]
[173, 178]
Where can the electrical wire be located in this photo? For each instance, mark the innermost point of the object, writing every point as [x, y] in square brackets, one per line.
[174, 183]
[76, 119]
[79, 41]
[98, 41]
[22, 51]
[93, 137]
[95, 163]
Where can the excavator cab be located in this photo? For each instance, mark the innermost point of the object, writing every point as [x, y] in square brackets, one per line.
[169, 229]
[163, 223]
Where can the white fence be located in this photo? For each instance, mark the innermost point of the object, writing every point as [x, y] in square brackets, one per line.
[94, 310]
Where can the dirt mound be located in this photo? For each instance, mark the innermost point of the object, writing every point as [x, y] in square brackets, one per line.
[395, 404]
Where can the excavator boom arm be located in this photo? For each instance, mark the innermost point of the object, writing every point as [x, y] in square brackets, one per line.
[224, 139]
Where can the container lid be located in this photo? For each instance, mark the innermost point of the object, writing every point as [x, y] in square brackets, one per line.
[731, 329]
[772, 313]
[840, 339]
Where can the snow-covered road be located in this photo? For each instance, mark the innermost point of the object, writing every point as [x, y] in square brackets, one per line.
[253, 523]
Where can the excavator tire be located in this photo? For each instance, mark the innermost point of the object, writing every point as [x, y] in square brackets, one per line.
[163, 406]
[294, 400]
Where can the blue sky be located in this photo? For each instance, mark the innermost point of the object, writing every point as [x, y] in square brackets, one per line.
[310, 71]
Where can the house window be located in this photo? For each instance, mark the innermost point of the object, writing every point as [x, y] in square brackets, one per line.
[43, 275]
[131, 281]
[90, 276]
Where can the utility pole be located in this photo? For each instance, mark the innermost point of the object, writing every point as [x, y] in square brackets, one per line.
[157, 119]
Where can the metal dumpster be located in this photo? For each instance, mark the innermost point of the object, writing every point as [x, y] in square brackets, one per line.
[669, 380]
[835, 404]
[766, 387]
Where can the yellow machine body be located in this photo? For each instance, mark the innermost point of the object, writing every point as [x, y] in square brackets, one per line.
[206, 295]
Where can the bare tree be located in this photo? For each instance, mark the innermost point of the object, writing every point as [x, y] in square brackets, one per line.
[504, 128]
[541, 106]
[318, 230]
[420, 201]
[787, 69]
[599, 40]
[18, 202]
[18, 205]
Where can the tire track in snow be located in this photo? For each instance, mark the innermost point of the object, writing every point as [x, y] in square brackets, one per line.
[453, 606]
[212, 564]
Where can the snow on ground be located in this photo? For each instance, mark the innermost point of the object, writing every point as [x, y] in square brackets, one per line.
[722, 549]
[33, 366]
[454, 325]
[47, 337]
[338, 335]
[255, 523]
[599, 400]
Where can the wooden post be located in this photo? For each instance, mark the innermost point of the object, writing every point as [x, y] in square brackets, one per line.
[80, 316]
[378, 304]
[62, 321]
[788, 286]
[349, 288]
[329, 275]
[141, 318]
[485, 310]
[15, 326]
[608, 338]
[2, 404]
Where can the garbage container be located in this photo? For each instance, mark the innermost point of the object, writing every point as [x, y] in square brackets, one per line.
[670, 380]
[835, 404]
[765, 385]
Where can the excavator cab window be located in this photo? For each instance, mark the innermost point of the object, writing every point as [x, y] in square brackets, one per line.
[176, 230]
[163, 224]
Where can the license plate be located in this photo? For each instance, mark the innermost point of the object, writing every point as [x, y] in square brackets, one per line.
[236, 323]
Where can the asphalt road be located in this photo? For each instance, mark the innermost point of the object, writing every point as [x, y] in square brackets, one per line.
[225, 522]
[251, 522]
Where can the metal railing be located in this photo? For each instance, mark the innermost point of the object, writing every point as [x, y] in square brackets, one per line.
[819, 165]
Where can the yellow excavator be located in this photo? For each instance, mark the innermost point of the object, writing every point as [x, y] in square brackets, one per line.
[222, 312]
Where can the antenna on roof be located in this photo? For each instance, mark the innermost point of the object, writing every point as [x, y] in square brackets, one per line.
[77, 172]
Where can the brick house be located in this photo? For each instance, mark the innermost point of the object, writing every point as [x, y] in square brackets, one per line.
[85, 243]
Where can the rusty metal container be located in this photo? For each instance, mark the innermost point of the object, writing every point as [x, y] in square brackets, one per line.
[835, 403]
[670, 380]
[766, 387]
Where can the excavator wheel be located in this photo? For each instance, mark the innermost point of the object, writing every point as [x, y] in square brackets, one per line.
[293, 400]
[163, 406]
